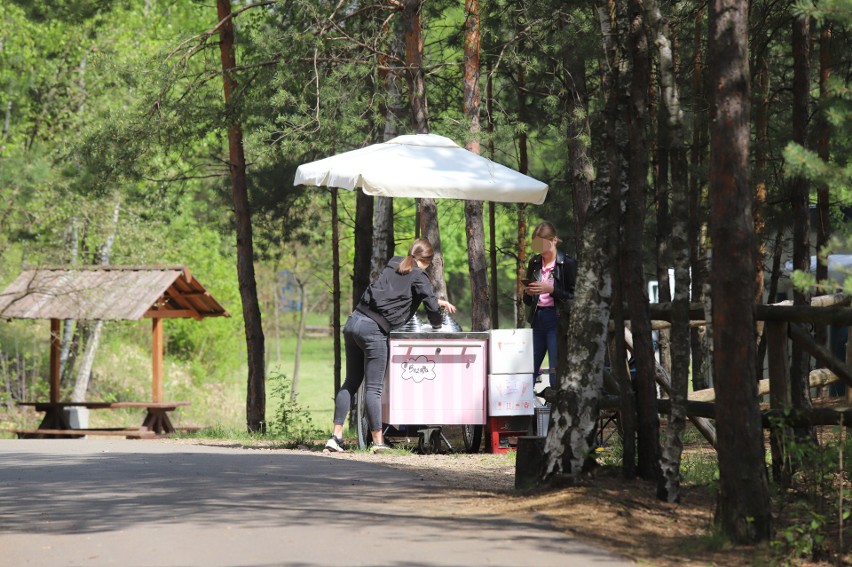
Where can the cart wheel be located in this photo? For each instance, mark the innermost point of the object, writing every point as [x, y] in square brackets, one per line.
[472, 436]
[423, 447]
[365, 439]
[435, 438]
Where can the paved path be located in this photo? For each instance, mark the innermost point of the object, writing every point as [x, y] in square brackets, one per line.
[139, 503]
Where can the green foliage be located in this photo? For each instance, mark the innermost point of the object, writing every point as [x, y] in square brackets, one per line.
[815, 492]
[288, 419]
[803, 538]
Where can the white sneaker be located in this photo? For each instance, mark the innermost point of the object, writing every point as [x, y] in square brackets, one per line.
[381, 448]
[335, 445]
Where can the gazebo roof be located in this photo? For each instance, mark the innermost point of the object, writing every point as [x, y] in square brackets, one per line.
[109, 293]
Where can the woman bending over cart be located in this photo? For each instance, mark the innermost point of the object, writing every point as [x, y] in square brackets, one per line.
[390, 301]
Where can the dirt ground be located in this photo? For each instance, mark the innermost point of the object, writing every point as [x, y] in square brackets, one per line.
[621, 515]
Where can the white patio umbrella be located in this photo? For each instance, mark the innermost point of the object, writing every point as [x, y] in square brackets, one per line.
[424, 166]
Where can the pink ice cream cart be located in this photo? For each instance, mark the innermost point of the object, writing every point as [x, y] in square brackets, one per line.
[438, 378]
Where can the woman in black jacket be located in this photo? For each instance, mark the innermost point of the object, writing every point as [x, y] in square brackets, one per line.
[549, 288]
[388, 302]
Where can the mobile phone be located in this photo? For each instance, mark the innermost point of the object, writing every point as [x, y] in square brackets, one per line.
[526, 281]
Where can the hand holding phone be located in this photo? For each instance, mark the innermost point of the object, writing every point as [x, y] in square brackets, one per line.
[526, 281]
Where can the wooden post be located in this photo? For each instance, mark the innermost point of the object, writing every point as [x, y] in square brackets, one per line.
[779, 370]
[54, 360]
[780, 396]
[157, 360]
[529, 462]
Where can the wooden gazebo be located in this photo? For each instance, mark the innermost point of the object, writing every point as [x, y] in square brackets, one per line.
[108, 293]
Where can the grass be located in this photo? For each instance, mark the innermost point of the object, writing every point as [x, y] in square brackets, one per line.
[316, 377]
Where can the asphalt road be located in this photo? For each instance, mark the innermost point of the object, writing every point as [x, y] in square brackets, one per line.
[139, 503]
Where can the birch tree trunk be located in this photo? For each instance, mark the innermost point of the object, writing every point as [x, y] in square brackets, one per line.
[66, 361]
[743, 510]
[84, 370]
[672, 123]
[575, 412]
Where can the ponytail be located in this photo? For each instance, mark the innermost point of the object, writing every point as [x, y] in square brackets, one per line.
[420, 249]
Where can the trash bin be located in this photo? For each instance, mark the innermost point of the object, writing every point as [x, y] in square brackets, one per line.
[542, 420]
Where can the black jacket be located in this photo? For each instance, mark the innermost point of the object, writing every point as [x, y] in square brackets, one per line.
[564, 277]
[393, 298]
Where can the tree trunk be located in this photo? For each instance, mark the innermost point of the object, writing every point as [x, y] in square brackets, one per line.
[743, 510]
[93, 340]
[474, 223]
[697, 255]
[521, 271]
[428, 209]
[672, 130]
[255, 387]
[300, 336]
[66, 360]
[634, 226]
[799, 194]
[383, 240]
[761, 147]
[823, 134]
[664, 223]
[335, 287]
[613, 23]
[575, 411]
[523, 167]
[492, 213]
[579, 139]
[363, 245]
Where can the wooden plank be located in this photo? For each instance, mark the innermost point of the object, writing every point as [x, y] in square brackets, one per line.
[837, 316]
[822, 354]
[817, 378]
[172, 314]
[794, 418]
[135, 433]
[707, 429]
[826, 310]
[168, 406]
[42, 406]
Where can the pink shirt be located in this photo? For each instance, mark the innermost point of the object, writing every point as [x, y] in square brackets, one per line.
[545, 299]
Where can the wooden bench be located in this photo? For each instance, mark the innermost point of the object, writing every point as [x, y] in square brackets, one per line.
[156, 421]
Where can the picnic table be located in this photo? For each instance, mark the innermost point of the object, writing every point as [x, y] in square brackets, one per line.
[56, 424]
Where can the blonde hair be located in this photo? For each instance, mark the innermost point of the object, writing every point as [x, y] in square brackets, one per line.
[547, 231]
[421, 249]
